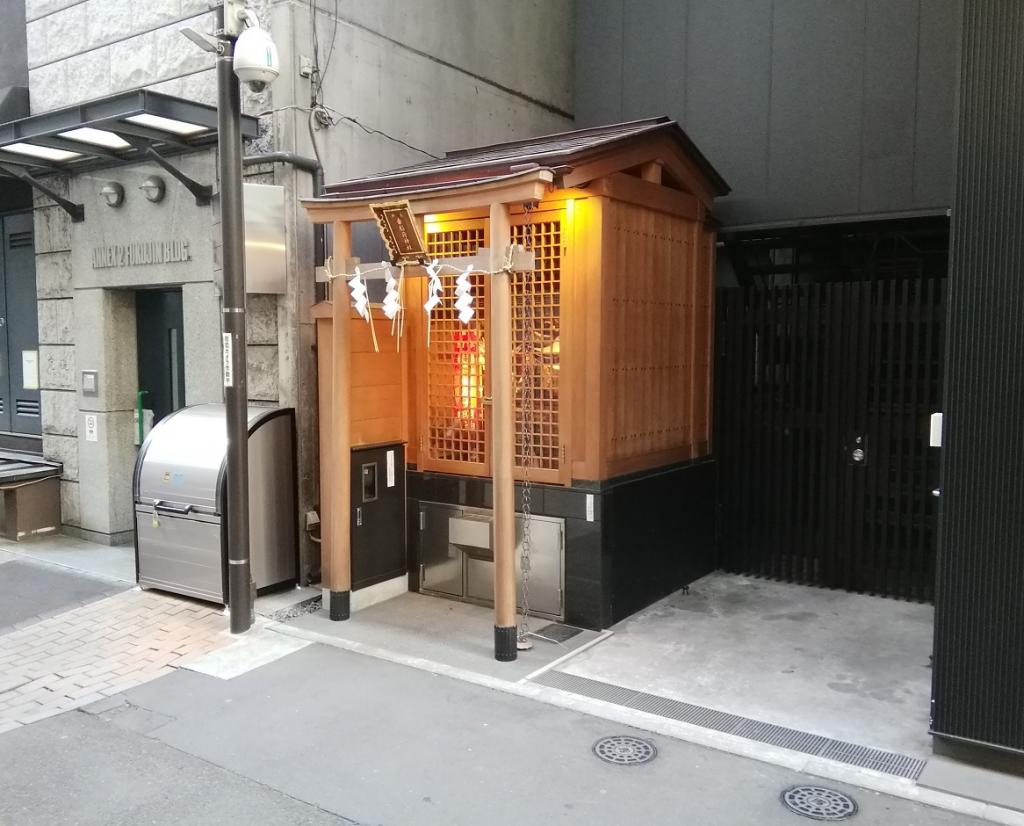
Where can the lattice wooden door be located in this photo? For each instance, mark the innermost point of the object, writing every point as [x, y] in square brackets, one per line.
[454, 419]
[542, 296]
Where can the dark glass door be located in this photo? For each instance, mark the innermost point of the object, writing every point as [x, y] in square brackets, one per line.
[161, 346]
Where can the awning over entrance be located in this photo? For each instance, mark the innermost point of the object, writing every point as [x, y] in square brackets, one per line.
[121, 129]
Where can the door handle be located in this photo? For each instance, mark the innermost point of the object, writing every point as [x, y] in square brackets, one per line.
[858, 454]
[181, 510]
[359, 517]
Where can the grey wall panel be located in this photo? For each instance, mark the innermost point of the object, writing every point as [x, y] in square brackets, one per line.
[728, 82]
[938, 76]
[13, 55]
[890, 86]
[599, 61]
[814, 150]
[657, 60]
[979, 613]
[809, 108]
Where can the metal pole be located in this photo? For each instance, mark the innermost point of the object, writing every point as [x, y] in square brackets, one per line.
[232, 221]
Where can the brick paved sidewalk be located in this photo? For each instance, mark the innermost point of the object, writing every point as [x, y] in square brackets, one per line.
[103, 648]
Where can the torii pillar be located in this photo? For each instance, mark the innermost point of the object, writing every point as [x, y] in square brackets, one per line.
[336, 477]
[502, 438]
[337, 539]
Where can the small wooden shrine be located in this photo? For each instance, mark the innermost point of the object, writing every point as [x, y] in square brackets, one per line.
[609, 360]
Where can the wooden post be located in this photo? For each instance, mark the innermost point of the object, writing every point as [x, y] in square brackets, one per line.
[502, 440]
[340, 469]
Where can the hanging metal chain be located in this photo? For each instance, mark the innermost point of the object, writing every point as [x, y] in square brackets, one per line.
[526, 381]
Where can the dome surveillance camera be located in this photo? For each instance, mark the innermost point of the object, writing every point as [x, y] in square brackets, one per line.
[255, 60]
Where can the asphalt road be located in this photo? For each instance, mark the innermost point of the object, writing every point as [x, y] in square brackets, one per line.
[327, 736]
[30, 589]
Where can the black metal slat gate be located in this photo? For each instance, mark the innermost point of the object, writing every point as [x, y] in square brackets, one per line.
[823, 398]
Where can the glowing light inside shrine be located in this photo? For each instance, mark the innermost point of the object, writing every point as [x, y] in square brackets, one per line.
[469, 368]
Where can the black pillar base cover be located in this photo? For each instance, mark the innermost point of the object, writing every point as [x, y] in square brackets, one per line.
[340, 605]
[505, 644]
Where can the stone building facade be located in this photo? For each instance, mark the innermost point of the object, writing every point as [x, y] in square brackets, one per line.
[399, 81]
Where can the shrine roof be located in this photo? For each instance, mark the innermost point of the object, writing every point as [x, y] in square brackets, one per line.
[559, 153]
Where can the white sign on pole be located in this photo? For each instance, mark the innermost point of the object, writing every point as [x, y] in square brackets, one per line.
[229, 372]
[92, 430]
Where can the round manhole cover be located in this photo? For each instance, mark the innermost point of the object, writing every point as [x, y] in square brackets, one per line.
[819, 803]
[625, 751]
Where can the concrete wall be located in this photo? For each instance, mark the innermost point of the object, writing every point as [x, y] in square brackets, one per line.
[808, 108]
[436, 75]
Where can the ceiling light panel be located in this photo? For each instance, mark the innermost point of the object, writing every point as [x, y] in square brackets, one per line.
[96, 137]
[46, 153]
[177, 127]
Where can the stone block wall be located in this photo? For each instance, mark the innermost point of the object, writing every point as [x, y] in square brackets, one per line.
[56, 308]
[85, 49]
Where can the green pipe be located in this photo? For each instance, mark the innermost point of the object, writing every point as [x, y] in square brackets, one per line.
[138, 411]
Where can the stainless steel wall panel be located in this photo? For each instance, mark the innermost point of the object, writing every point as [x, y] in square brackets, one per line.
[266, 266]
[271, 480]
[440, 561]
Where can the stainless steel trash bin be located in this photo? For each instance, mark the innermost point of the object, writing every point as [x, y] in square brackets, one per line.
[180, 502]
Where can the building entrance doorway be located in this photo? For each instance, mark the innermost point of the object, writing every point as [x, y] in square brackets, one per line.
[826, 379]
[161, 351]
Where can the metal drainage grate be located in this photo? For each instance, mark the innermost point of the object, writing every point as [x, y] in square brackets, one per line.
[819, 803]
[899, 765]
[623, 750]
[557, 632]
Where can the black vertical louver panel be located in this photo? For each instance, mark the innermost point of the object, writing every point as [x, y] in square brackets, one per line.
[979, 639]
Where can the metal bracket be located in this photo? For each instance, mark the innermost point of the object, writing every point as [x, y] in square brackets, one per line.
[76, 211]
[203, 192]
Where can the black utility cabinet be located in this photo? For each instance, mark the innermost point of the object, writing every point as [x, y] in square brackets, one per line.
[378, 514]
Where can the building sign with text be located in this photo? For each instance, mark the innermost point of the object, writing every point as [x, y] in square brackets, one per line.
[140, 253]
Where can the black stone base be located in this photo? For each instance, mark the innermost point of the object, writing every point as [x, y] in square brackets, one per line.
[637, 539]
[505, 650]
[982, 755]
[340, 608]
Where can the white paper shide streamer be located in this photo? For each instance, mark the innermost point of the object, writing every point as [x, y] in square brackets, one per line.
[434, 290]
[434, 287]
[392, 304]
[464, 296]
[360, 300]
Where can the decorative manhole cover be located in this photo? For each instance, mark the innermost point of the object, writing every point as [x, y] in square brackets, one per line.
[819, 803]
[625, 751]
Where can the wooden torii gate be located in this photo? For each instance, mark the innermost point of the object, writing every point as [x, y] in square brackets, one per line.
[522, 187]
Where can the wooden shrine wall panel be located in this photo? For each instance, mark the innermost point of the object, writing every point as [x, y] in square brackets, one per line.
[583, 326]
[656, 360]
[377, 397]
